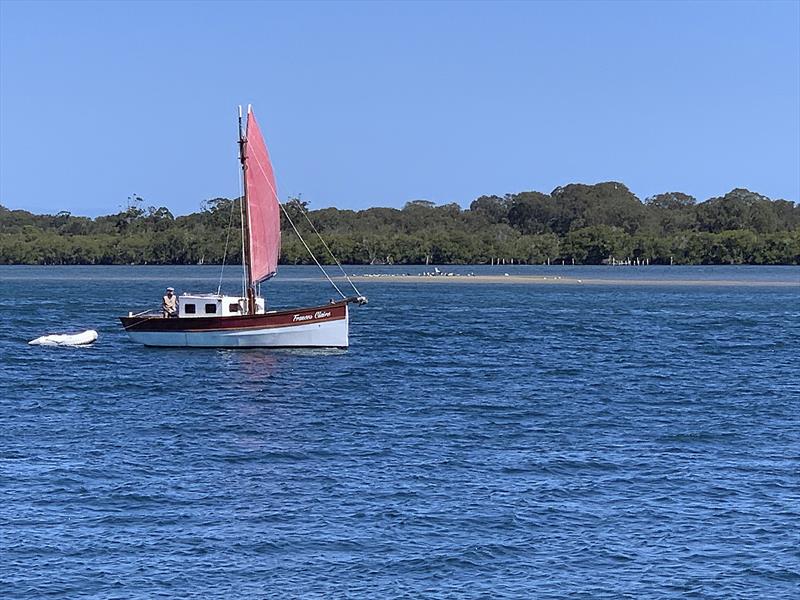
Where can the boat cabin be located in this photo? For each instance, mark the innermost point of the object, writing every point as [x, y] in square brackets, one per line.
[214, 305]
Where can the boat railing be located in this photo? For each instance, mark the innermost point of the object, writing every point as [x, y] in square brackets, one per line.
[145, 313]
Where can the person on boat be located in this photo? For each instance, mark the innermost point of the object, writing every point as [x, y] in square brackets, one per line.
[169, 304]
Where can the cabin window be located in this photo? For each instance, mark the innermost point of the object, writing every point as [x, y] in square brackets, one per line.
[233, 307]
[189, 309]
[211, 309]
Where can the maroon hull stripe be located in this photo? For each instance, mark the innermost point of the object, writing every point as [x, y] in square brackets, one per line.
[283, 318]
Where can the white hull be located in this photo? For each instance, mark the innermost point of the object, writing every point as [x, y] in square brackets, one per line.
[327, 334]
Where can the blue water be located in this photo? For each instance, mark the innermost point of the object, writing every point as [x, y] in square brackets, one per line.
[496, 441]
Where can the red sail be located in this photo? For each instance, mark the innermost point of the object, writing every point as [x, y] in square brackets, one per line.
[263, 211]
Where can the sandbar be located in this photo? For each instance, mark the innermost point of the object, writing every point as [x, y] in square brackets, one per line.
[556, 280]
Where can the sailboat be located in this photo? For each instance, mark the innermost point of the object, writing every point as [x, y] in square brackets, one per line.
[243, 321]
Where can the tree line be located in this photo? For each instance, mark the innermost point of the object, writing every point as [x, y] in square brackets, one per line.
[576, 223]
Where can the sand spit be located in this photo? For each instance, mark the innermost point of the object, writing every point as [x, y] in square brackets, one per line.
[556, 280]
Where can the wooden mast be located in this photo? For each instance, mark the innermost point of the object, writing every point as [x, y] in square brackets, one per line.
[250, 303]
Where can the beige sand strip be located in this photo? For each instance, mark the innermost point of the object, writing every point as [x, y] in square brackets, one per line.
[555, 280]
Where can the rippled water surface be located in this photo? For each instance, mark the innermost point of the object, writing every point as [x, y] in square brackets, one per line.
[521, 441]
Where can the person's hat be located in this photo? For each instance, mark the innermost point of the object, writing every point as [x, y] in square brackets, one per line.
[170, 289]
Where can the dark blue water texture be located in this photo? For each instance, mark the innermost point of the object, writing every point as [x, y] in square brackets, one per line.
[495, 441]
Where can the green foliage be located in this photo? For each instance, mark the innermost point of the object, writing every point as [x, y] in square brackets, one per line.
[587, 224]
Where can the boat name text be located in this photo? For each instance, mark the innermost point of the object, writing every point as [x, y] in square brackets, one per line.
[320, 314]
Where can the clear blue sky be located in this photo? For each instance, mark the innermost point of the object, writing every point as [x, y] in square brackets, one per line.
[376, 104]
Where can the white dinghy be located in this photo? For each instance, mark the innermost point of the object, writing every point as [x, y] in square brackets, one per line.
[66, 339]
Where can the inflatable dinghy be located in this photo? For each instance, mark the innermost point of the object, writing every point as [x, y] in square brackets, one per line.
[77, 339]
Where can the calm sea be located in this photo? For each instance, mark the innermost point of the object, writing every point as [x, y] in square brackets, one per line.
[477, 440]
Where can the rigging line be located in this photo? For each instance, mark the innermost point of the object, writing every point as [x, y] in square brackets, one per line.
[225, 252]
[264, 173]
[336, 260]
[285, 212]
[241, 218]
